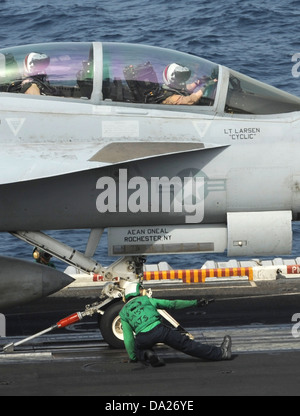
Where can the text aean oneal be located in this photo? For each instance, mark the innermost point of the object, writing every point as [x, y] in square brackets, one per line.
[155, 195]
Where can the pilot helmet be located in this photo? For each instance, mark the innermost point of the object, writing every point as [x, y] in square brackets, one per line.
[175, 75]
[132, 290]
[41, 256]
[36, 63]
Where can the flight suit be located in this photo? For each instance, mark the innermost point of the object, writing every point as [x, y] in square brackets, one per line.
[177, 99]
[139, 316]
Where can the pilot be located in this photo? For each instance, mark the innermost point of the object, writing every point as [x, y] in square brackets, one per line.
[175, 87]
[35, 80]
[140, 316]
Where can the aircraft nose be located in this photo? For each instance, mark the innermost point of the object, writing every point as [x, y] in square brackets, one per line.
[24, 281]
[54, 280]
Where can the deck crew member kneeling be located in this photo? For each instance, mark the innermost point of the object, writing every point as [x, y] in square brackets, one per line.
[139, 316]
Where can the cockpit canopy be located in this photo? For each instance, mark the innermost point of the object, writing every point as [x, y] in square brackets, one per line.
[70, 65]
[135, 74]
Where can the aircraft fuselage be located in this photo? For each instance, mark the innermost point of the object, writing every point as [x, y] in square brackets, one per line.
[56, 165]
[105, 150]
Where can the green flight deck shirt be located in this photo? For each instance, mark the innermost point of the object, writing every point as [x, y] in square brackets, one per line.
[140, 314]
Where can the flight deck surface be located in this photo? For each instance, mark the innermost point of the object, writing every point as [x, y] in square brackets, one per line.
[76, 361]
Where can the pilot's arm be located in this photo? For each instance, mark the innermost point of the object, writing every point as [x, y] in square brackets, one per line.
[191, 99]
[184, 99]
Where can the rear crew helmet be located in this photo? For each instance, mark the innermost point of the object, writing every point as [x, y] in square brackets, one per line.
[175, 75]
[36, 63]
[132, 290]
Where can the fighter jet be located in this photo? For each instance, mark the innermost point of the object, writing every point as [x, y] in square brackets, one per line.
[170, 152]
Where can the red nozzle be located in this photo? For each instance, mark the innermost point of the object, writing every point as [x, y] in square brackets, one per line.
[69, 320]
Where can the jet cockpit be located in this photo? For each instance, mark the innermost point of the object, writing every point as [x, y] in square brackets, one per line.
[69, 68]
[135, 74]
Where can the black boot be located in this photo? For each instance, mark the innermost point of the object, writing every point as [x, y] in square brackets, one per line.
[152, 359]
[226, 348]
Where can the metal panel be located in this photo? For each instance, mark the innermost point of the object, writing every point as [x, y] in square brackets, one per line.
[166, 239]
[259, 233]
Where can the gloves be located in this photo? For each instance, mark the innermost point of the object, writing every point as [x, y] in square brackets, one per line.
[203, 302]
[208, 84]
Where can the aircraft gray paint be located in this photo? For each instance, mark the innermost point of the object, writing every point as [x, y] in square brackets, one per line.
[101, 153]
[23, 281]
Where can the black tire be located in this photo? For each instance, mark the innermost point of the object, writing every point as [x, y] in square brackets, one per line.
[110, 326]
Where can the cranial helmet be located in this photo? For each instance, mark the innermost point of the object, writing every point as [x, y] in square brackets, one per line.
[131, 290]
[175, 75]
[36, 63]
